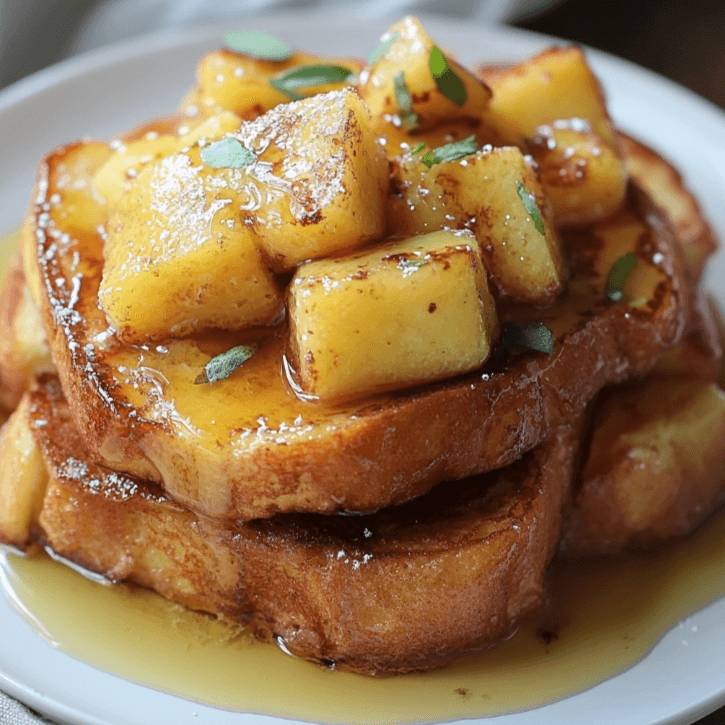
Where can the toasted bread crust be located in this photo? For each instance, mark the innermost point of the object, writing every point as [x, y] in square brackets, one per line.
[362, 592]
[23, 350]
[667, 189]
[653, 470]
[314, 458]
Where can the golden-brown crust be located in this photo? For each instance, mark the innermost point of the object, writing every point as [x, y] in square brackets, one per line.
[19, 360]
[653, 469]
[666, 187]
[361, 592]
[447, 431]
[12, 381]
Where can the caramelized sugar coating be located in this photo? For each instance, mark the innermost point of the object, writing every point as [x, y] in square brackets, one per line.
[409, 588]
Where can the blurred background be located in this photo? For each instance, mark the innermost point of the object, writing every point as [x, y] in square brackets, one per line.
[682, 40]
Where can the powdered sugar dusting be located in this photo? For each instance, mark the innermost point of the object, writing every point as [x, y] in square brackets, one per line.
[300, 150]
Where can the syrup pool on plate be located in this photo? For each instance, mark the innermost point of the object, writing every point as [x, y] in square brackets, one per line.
[610, 614]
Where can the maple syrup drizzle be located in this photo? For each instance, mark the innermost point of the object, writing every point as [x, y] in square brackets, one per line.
[611, 613]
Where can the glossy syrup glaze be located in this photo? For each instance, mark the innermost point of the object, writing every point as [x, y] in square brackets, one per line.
[609, 615]
[140, 411]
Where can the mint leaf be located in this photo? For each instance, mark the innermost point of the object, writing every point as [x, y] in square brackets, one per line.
[257, 44]
[229, 153]
[535, 336]
[450, 152]
[222, 366]
[531, 206]
[404, 103]
[310, 75]
[449, 84]
[621, 269]
[418, 148]
[382, 49]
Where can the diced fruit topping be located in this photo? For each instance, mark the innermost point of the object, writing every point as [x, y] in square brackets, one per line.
[402, 314]
[496, 194]
[412, 78]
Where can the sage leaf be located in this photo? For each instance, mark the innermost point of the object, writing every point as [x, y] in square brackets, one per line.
[223, 365]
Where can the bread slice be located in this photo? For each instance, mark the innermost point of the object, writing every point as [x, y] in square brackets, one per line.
[666, 187]
[409, 588]
[23, 349]
[245, 447]
[655, 466]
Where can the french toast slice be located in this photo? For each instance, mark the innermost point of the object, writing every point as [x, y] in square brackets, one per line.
[23, 349]
[666, 187]
[654, 468]
[246, 447]
[408, 588]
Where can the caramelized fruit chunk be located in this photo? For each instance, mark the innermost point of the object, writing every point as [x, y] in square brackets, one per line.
[407, 59]
[555, 84]
[496, 194]
[23, 348]
[584, 177]
[403, 314]
[23, 476]
[229, 81]
[120, 171]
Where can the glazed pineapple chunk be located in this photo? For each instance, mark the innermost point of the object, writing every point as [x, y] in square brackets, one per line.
[178, 258]
[584, 177]
[236, 82]
[402, 314]
[496, 194]
[321, 179]
[23, 478]
[23, 347]
[458, 95]
[554, 84]
[121, 170]
[190, 243]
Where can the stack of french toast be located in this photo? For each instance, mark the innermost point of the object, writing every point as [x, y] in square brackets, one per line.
[351, 352]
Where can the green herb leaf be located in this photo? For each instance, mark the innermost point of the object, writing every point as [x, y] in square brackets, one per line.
[258, 45]
[531, 206]
[404, 103]
[418, 148]
[222, 366]
[382, 49]
[449, 84]
[229, 153]
[451, 151]
[309, 75]
[536, 336]
[621, 269]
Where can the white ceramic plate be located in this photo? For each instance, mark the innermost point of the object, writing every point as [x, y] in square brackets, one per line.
[106, 92]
